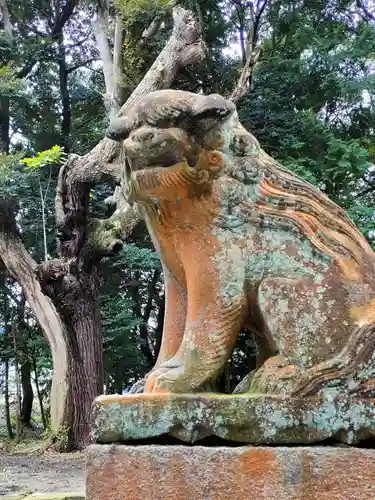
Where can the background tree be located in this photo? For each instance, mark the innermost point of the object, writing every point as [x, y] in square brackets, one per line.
[66, 303]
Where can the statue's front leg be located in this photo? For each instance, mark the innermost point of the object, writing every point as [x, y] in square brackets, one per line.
[173, 328]
[174, 318]
[212, 327]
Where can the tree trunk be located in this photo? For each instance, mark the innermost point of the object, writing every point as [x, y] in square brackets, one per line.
[4, 124]
[65, 97]
[119, 386]
[145, 343]
[7, 402]
[27, 393]
[72, 281]
[6, 18]
[72, 327]
[159, 326]
[64, 298]
[85, 347]
[22, 268]
[40, 398]
[18, 389]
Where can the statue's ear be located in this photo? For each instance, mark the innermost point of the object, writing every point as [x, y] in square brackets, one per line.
[119, 129]
[212, 106]
[167, 108]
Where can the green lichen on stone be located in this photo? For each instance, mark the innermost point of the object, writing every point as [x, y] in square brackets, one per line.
[56, 496]
[245, 418]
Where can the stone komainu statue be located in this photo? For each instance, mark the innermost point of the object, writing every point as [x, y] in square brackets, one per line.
[244, 242]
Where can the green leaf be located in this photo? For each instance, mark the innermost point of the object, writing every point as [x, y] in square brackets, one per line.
[49, 156]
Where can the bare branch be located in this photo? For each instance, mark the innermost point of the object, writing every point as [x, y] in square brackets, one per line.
[80, 65]
[118, 62]
[63, 17]
[184, 47]
[153, 28]
[244, 81]
[100, 28]
[367, 12]
[124, 215]
[56, 32]
[6, 18]
[258, 18]
[252, 52]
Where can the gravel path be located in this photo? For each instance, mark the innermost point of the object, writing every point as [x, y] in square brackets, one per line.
[42, 473]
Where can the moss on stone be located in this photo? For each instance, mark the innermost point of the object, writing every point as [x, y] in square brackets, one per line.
[246, 418]
[54, 496]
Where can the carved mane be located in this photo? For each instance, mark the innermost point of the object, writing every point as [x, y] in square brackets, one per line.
[284, 195]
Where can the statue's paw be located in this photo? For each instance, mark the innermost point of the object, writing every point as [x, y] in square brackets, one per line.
[140, 386]
[153, 376]
[171, 380]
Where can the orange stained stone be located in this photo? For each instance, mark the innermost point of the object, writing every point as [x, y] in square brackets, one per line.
[117, 472]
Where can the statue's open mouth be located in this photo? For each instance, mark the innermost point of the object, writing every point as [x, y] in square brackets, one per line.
[135, 165]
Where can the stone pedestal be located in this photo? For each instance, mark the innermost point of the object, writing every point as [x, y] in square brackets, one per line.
[157, 472]
[138, 470]
[241, 418]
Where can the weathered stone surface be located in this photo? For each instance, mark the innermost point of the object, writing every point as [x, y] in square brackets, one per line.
[12, 497]
[56, 496]
[116, 472]
[241, 417]
[245, 243]
[46, 496]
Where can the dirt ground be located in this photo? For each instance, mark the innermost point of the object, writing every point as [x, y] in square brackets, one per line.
[41, 473]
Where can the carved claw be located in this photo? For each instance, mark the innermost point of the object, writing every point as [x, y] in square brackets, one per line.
[147, 383]
[168, 380]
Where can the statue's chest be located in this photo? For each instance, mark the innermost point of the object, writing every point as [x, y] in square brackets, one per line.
[181, 230]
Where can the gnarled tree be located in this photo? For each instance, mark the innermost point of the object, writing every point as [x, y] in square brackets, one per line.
[63, 292]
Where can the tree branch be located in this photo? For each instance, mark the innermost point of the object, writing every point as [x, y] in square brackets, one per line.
[369, 15]
[56, 32]
[118, 43]
[78, 43]
[252, 52]
[22, 267]
[184, 47]
[244, 81]
[6, 18]
[63, 17]
[153, 28]
[100, 28]
[71, 69]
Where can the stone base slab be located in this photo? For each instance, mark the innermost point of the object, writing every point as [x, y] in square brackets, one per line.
[244, 418]
[46, 496]
[125, 472]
